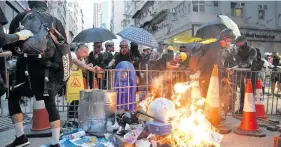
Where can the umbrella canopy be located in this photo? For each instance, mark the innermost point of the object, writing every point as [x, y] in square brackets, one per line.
[139, 36]
[213, 29]
[210, 30]
[94, 35]
[229, 23]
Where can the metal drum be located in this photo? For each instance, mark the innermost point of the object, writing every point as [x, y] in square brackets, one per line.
[83, 108]
[97, 110]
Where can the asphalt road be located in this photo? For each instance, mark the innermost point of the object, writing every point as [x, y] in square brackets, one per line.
[229, 140]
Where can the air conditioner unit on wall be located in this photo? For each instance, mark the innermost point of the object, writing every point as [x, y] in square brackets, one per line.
[240, 5]
[173, 11]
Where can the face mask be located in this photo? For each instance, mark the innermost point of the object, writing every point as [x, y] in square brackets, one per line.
[124, 51]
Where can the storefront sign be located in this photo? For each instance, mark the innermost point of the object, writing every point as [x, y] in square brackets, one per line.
[261, 35]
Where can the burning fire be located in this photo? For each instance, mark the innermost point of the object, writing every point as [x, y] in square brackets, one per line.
[190, 126]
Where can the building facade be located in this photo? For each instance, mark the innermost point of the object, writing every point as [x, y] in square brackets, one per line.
[177, 21]
[117, 16]
[11, 9]
[70, 14]
[97, 15]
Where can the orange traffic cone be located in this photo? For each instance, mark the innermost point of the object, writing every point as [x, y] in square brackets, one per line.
[40, 116]
[212, 104]
[85, 83]
[212, 100]
[40, 121]
[260, 111]
[95, 84]
[249, 125]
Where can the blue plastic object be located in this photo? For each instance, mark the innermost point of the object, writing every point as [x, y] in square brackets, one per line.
[125, 85]
[159, 128]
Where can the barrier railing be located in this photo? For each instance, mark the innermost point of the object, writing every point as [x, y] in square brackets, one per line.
[164, 82]
[271, 88]
[108, 80]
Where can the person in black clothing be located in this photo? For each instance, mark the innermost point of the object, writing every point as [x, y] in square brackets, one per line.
[107, 56]
[95, 58]
[244, 58]
[7, 39]
[275, 76]
[135, 55]
[210, 58]
[36, 72]
[144, 64]
[184, 50]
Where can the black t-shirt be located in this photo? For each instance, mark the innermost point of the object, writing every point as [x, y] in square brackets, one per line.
[118, 57]
[3, 19]
[144, 60]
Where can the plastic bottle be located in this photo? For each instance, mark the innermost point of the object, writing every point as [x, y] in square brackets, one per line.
[78, 134]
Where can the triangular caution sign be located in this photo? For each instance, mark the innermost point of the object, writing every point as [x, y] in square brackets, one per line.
[75, 83]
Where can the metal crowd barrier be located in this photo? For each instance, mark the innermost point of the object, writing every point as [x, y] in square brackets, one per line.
[107, 81]
[271, 87]
[164, 81]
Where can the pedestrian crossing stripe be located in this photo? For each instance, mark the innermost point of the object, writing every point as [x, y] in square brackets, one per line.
[75, 83]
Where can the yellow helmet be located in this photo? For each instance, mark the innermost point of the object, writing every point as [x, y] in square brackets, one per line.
[170, 48]
[183, 56]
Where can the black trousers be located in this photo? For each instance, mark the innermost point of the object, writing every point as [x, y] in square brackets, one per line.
[24, 90]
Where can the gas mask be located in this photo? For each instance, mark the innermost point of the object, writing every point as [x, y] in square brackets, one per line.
[124, 51]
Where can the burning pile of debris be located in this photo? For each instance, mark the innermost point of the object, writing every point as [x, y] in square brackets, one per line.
[169, 122]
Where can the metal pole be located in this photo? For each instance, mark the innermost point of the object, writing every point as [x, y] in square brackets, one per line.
[128, 90]
[146, 67]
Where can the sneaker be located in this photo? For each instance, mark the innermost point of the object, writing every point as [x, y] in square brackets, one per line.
[19, 142]
[56, 145]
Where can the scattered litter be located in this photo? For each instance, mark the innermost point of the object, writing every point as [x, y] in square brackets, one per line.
[127, 127]
[133, 135]
[142, 143]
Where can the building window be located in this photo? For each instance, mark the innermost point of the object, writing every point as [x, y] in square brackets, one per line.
[237, 9]
[261, 11]
[198, 6]
[261, 14]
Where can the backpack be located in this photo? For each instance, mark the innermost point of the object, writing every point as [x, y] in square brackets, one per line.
[45, 46]
[257, 63]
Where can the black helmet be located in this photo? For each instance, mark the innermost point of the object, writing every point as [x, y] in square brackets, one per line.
[39, 3]
[227, 33]
[109, 44]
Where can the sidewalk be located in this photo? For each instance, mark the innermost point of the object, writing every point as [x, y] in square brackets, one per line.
[229, 140]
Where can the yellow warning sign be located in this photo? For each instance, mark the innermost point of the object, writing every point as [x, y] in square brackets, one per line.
[74, 84]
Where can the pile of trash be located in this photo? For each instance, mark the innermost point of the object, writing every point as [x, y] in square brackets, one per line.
[77, 137]
[157, 122]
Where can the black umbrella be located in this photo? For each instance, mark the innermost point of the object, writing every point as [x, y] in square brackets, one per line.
[210, 30]
[94, 35]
